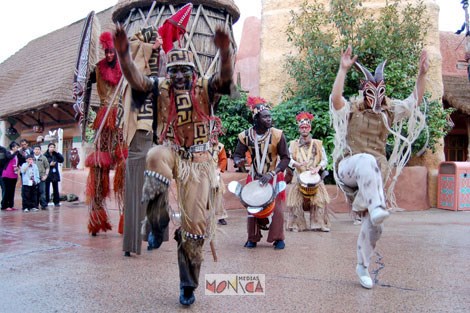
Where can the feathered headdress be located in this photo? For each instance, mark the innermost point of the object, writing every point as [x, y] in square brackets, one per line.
[257, 104]
[304, 118]
[106, 40]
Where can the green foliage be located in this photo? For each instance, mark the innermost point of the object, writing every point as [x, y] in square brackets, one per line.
[396, 34]
[236, 117]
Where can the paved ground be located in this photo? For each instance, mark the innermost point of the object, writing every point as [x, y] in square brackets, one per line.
[49, 263]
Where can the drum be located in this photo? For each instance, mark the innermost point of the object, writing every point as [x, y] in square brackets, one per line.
[259, 200]
[308, 183]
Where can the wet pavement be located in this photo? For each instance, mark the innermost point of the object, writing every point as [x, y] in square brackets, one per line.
[49, 263]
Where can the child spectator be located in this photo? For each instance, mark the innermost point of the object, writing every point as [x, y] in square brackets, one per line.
[30, 180]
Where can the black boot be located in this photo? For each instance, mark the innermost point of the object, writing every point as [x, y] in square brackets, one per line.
[187, 296]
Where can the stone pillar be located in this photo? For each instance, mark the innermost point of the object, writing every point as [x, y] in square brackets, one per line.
[3, 137]
[435, 86]
[275, 16]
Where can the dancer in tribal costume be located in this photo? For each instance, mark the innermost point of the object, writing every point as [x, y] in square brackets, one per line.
[307, 154]
[184, 116]
[361, 167]
[109, 150]
[267, 145]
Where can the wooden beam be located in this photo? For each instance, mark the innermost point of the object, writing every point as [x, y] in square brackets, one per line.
[50, 116]
[65, 111]
[16, 118]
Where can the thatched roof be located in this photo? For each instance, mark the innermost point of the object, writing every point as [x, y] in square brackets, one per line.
[123, 7]
[41, 73]
[457, 92]
[456, 82]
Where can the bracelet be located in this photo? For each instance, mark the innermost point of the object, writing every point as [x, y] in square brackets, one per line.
[272, 173]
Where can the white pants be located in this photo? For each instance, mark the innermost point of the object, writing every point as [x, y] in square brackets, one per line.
[361, 171]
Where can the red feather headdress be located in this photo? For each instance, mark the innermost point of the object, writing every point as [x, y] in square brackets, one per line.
[304, 118]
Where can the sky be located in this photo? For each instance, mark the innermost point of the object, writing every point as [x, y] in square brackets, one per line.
[35, 18]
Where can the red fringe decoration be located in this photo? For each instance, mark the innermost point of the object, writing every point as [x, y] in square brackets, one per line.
[97, 188]
[119, 182]
[99, 159]
[280, 177]
[110, 120]
[111, 75]
[121, 153]
[98, 221]
[121, 224]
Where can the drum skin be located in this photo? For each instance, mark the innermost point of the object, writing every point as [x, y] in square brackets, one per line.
[308, 183]
[259, 200]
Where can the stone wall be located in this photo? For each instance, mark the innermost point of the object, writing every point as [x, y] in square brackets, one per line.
[247, 62]
[275, 17]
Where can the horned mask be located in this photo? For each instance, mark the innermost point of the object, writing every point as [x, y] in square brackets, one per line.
[373, 86]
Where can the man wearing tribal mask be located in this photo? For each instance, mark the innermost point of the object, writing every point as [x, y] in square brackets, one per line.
[362, 126]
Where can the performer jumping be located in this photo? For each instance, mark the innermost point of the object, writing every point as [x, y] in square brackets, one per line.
[308, 156]
[184, 115]
[362, 127]
[266, 144]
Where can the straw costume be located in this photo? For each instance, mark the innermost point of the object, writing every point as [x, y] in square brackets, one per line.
[361, 166]
[307, 154]
[184, 115]
[268, 147]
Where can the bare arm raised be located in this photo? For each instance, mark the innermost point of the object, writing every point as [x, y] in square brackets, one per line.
[222, 42]
[347, 60]
[135, 78]
[421, 80]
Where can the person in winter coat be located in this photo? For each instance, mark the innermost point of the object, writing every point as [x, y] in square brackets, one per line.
[10, 177]
[54, 159]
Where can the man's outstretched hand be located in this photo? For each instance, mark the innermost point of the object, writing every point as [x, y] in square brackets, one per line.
[121, 44]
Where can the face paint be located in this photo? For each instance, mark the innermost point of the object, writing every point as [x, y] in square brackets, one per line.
[181, 76]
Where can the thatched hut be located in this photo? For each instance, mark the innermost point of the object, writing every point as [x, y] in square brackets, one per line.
[36, 86]
[206, 17]
[456, 95]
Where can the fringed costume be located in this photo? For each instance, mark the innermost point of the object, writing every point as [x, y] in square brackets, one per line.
[184, 106]
[307, 154]
[109, 150]
[361, 166]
